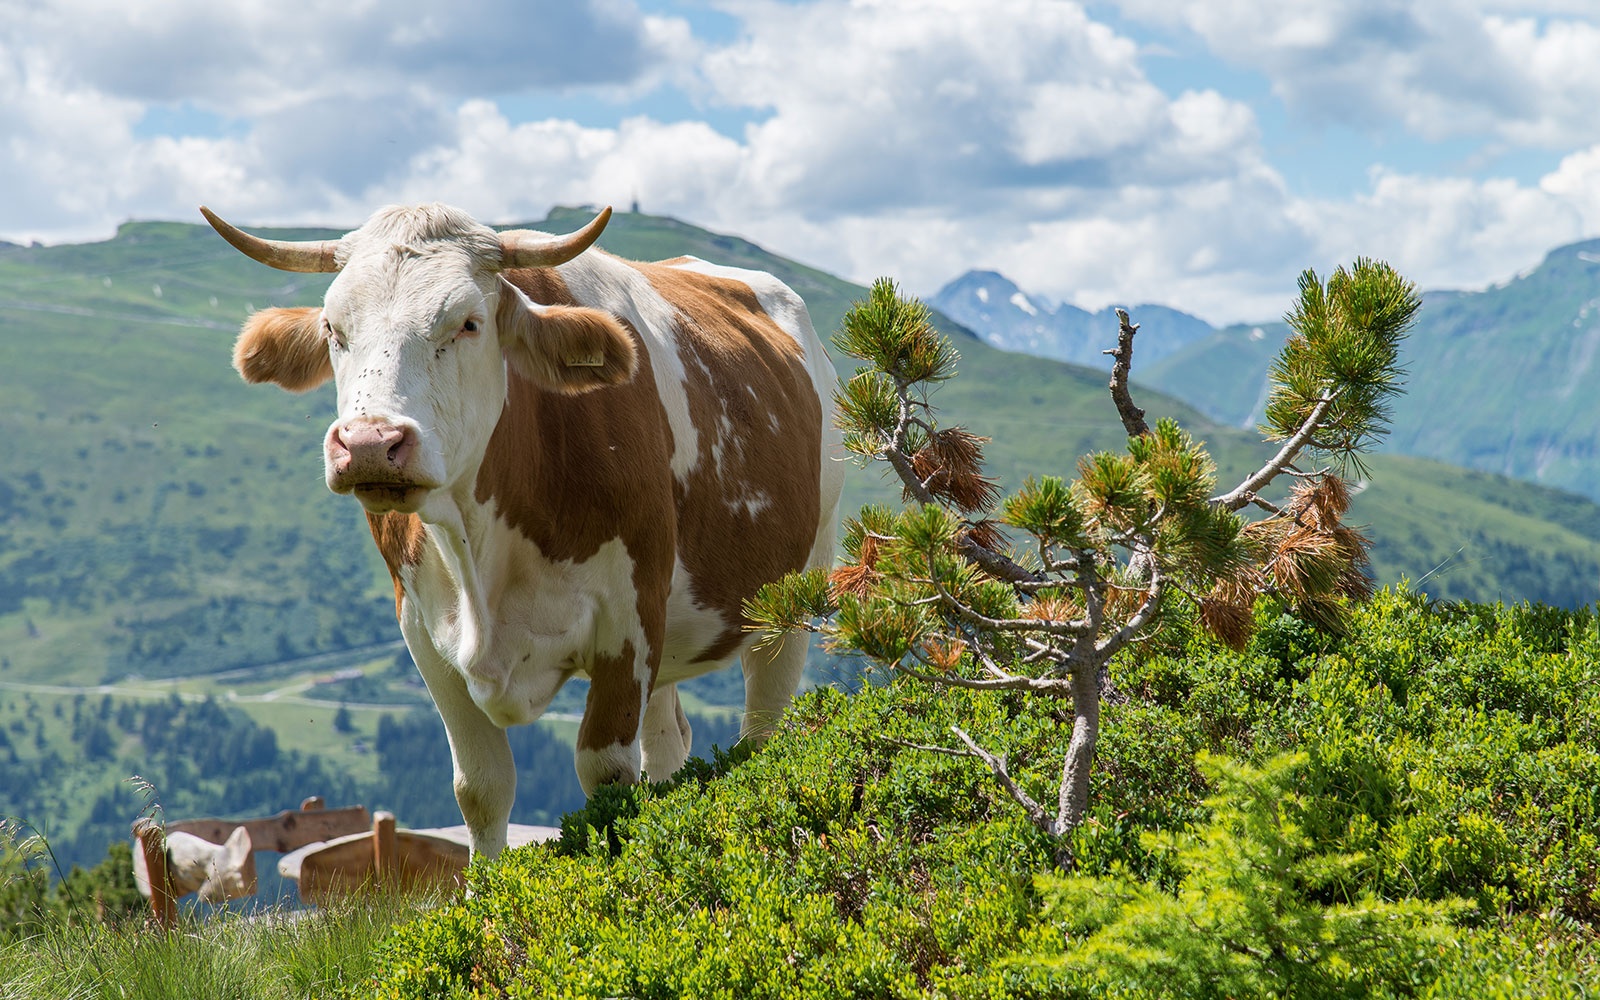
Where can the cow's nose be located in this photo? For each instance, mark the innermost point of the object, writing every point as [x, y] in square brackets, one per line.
[370, 446]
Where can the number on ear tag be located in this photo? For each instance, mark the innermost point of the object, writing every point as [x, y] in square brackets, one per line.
[595, 360]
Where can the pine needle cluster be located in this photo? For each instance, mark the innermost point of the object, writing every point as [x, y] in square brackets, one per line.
[1345, 348]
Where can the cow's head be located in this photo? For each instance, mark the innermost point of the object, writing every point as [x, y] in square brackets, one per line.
[416, 332]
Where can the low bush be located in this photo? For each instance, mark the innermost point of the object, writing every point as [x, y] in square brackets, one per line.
[1432, 832]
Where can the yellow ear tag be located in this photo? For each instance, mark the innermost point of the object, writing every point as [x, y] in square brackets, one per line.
[595, 360]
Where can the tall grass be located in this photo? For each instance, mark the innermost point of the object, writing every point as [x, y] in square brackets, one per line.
[271, 955]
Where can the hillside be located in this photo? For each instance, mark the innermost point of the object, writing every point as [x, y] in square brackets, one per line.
[159, 518]
[1223, 376]
[1416, 819]
[1501, 380]
[164, 529]
[1405, 812]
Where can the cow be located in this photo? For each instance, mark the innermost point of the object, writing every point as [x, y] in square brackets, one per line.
[572, 465]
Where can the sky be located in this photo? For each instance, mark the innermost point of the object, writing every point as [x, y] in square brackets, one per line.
[1193, 153]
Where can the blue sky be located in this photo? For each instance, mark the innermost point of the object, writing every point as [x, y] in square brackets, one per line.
[1196, 153]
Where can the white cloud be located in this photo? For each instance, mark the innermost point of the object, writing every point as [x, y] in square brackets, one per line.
[913, 138]
[1444, 232]
[1576, 184]
[506, 171]
[249, 57]
[896, 105]
[1526, 73]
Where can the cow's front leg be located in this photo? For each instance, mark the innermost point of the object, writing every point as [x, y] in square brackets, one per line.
[485, 773]
[667, 736]
[608, 737]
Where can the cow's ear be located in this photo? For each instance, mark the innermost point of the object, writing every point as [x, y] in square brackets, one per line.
[284, 347]
[563, 348]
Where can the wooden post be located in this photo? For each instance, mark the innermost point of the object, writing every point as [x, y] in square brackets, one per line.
[152, 844]
[384, 862]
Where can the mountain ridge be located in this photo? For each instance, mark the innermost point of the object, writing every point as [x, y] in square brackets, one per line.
[1005, 316]
[1500, 379]
[158, 517]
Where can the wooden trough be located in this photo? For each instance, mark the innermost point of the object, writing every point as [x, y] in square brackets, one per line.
[327, 852]
[390, 856]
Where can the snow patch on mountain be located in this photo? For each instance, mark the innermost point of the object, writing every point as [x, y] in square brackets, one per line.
[992, 306]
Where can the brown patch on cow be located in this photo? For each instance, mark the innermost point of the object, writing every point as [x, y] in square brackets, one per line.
[400, 538]
[770, 446]
[572, 472]
[611, 715]
[285, 347]
[565, 348]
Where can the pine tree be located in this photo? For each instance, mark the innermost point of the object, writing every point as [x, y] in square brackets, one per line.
[1037, 592]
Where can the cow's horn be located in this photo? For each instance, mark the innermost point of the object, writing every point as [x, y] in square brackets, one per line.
[523, 248]
[285, 255]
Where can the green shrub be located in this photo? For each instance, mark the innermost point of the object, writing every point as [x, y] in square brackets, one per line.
[1434, 833]
[1249, 916]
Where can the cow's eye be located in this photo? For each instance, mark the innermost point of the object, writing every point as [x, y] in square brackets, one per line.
[334, 338]
[469, 328]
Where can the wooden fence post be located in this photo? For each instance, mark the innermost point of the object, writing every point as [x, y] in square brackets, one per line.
[383, 856]
[152, 844]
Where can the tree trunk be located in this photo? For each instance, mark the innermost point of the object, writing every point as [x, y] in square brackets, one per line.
[1074, 802]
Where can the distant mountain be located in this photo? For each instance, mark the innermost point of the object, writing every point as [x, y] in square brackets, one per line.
[1004, 316]
[1505, 380]
[160, 518]
[1223, 376]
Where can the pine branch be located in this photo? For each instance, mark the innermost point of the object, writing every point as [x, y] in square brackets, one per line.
[1140, 618]
[977, 618]
[1245, 492]
[1053, 686]
[996, 565]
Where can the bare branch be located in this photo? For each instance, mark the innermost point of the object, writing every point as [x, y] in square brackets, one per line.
[1246, 491]
[1056, 687]
[967, 614]
[997, 767]
[1132, 416]
[1142, 617]
[930, 748]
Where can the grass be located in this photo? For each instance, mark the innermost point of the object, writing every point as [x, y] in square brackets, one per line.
[275, 955]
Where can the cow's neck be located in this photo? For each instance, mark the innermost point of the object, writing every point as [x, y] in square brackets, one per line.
[456, 526]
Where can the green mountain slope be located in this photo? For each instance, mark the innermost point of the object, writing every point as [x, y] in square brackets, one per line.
[1501, 380]
[1223, 376]
[1504, 380]
[159, 518]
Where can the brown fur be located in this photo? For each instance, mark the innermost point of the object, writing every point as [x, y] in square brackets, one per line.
[573, 471]
[400, 538]
[611, 714]
[285, 347]
[732, 345]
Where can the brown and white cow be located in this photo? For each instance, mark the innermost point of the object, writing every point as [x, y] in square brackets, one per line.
[572, 464]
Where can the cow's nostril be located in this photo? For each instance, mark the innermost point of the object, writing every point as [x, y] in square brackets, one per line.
[405, 443]
[338, 450]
